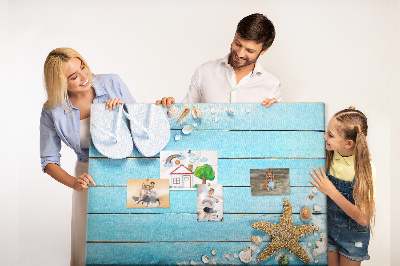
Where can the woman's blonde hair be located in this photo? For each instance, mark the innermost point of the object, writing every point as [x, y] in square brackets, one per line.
[55, 80]
[352, 124]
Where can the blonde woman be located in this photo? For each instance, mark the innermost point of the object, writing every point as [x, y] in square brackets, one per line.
[71, 89]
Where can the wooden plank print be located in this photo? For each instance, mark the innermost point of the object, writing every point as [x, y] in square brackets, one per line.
[246, 136]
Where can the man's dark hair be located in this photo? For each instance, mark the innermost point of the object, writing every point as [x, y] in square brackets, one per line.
[257, 27]
[152, 182]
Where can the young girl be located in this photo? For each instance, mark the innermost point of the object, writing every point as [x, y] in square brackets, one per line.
[349, 187]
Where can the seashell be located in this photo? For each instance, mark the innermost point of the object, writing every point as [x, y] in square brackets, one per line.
[314, 190]
[213, 110]
[317, 208]
[192, 262]
[213, 252]
[228, 255]
[235, 255]
[177, 137]
[305, 213]
[309, 244]
[187, 129]
[322, 245]
[194, 124]
[197, 112]
[316, 261]
[284, 260]
[311, 196]
[205, 259]
[256, 239]
[173, 111]
[247, 110]
[230, 111]
[257, 250]
[216, 119]
[245, 255]
[214, 263]
[184, 113]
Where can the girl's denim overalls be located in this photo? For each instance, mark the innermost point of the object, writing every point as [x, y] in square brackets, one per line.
[345, 235]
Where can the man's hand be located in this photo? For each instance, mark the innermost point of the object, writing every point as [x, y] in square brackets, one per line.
[268, 102]
[166, 102]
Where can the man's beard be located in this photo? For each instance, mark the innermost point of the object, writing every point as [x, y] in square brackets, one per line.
[233, 63]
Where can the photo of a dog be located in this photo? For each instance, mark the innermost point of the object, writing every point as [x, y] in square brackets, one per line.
[270, 181]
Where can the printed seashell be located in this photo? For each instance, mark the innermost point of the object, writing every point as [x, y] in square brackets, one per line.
[317, 208]
[197, 112]
[177, 137]
[311, 196]
[173, 111]
[305, 213]
[314, 190]
[205, 259]
[216, 119]
[184, 113]
[284, 260]
[235, 255]
[214, 263]
[256, 239]
[213, 252]
[230, 111]
[245, 255]
[194, 124]
[192, 262]
[228, 255]
[187, 129]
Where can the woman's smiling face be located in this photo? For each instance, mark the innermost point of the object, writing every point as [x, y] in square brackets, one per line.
[77, 76]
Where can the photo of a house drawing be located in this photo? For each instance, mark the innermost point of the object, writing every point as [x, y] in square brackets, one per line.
[186, 169]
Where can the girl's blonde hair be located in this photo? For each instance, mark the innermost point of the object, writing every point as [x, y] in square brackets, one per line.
[352, 124]
[55, 80]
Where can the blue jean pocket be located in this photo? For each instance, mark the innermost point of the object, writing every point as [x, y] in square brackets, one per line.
[358, 229]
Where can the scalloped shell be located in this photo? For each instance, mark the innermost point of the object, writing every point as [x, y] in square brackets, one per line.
[256, 239]
[246, 255]
[173, 111]
[205, 259]
[187, 129]
[197, 112]
[305, 213]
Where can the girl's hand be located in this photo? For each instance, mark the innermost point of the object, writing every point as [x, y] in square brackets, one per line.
[323, 182]
[166, 102]
[83, 182]
[112, 103]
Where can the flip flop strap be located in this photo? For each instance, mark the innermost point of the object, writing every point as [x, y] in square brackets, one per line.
[136, 123]
[117, 127]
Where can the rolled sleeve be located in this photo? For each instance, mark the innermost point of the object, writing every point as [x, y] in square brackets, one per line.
[50, 143]
[276, 92]
[194, 95]
[126, 95]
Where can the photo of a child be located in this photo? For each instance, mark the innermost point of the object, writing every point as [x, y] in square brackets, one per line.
[209, 203]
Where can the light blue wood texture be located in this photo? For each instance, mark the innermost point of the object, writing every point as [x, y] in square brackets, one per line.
[286, 135]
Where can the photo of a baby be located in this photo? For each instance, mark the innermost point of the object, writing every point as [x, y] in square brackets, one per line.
[146, 193]
[209, 202]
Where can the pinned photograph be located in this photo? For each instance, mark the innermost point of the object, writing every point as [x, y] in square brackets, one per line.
[147, 193]
[209, 202]
[271, 181]
[185, 170]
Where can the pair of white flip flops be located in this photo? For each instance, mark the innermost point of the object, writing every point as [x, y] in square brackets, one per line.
[149, 130]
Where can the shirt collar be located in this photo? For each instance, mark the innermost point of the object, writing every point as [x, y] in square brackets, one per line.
[257, 67]
[349, 160]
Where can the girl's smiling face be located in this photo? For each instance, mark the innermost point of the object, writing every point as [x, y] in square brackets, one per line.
[334, 140]
[77, 76]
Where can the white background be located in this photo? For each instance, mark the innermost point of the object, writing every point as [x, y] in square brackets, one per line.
[341, 53]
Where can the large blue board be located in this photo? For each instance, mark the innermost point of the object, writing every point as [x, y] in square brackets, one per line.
[286, 135]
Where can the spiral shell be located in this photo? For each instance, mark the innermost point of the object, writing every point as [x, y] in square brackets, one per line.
[197, 112]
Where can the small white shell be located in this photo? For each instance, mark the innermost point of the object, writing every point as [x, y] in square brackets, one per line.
[194, 124]
[228, 255]
[256, 239]
[213, 263]
[205, 259]
[177, 137]
[317, 208]
[247, 110]
[213, 110]
[245, 255]
[173, 111]
[187, 129]
[192, 262]
[197, 112]
[314, 190]
[216, 119]
[235, 255]
[230, 111]
[213, 252]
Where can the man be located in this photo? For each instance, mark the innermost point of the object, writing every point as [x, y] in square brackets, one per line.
[154, 195]
[238, 77]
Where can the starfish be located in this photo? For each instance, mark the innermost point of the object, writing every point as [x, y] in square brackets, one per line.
[285, 235]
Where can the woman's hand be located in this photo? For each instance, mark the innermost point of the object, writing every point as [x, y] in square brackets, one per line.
[112, 103]
[323, 182]
[166, 102]
[83, 182]
[268, 102]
